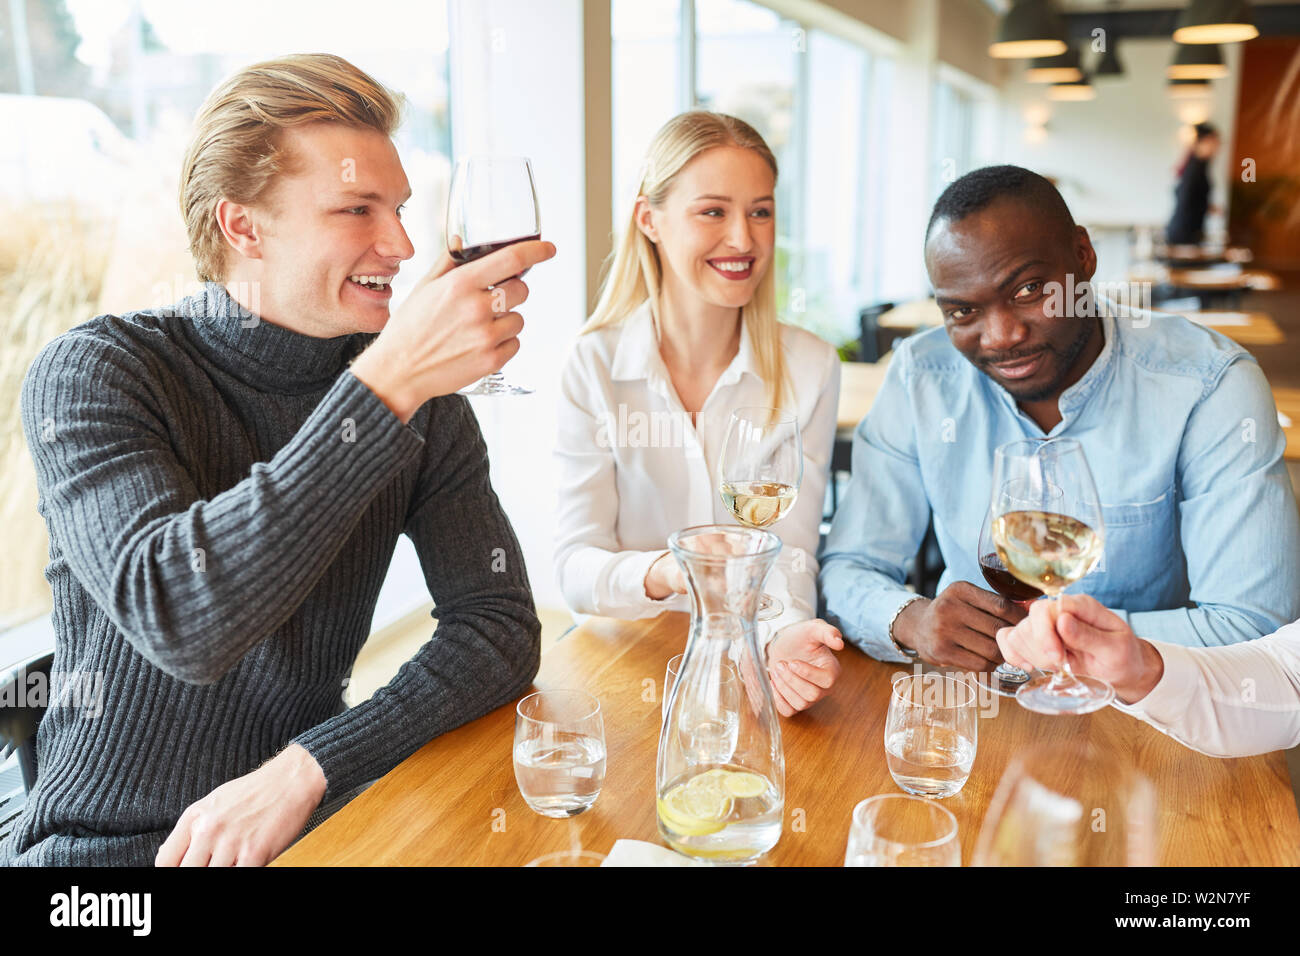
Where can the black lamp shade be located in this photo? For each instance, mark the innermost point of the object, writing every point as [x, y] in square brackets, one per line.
[1185, 88]
[1078, 90]
[1031, 28]
[1065, 68]
[1215, 21]
[1199, 61]
[1109, 64]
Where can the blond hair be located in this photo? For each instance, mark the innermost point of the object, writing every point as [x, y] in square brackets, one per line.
[634, 272]
[236, 152]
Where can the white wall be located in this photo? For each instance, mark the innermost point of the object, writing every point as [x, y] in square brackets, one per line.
[1114, 157]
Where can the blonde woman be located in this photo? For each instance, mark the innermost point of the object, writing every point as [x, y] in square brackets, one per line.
[685, 332]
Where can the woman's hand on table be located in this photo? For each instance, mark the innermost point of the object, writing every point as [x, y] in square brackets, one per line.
[802, 665]
[664, 578]
[1094, 640]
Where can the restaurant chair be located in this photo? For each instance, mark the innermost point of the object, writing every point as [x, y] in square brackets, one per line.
[870, 334]
[18, 734]
[928, 566]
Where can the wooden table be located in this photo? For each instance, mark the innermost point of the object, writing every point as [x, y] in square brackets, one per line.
[1224, 280]
[859, 384]
[1244, 328]
[1288, 403]
[455, 802]
[917, 314]
[1202, 255]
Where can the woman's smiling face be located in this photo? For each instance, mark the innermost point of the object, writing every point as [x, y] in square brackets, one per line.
[716, 228]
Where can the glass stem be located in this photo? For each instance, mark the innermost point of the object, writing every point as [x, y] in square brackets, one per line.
[1064, 677]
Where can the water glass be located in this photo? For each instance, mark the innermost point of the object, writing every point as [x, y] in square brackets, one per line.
[898, 830]
[559, 751]
[1070, 803]
[931, 733]
[671, 673]
[569, 858]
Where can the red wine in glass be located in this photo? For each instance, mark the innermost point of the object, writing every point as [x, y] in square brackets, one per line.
[1004, 582]
[492, 204]
[470, 253]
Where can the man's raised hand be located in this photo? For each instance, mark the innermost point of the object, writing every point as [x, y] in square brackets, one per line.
[455, 327]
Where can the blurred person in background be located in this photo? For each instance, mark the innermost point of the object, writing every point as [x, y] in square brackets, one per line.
[1192, 194]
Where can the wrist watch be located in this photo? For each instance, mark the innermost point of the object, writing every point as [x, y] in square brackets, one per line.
[905, 651]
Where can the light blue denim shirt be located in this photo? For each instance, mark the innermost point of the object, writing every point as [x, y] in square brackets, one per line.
[1181, 433]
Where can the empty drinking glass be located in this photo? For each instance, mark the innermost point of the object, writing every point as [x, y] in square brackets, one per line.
[729, 689]
[559, 751]
[931, 733]
[898, 830]
[1070, 804]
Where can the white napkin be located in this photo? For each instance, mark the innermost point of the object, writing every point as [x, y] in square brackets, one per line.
[640, 853]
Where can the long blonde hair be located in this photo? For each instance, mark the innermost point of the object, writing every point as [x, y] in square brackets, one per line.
[634, 274]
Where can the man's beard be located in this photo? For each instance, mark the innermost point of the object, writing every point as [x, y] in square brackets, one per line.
[1067, 360]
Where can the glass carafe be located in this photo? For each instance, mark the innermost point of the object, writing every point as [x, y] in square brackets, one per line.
[720, 780]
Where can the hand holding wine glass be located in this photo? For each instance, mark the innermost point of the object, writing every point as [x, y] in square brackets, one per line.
[1049, 534]
[1007, 678]
[1096, 640]
[455, 326]
[493, 205]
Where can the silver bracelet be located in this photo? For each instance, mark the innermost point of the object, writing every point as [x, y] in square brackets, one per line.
[907, 651]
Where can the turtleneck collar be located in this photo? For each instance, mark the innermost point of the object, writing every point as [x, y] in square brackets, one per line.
[267, 356]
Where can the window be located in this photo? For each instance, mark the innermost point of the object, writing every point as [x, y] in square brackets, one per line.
[962, 125]
[797, 86]
[98, 108]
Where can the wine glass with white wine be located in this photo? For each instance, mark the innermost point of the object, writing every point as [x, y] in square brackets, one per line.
[759, 471]
[1049, 534]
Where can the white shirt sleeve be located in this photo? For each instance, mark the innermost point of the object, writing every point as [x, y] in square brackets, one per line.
[593, 574]
[793, 580]
[1232, 701]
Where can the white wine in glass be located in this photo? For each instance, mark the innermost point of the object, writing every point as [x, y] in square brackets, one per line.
[1050, 535]
[758, 503]
[759, 471]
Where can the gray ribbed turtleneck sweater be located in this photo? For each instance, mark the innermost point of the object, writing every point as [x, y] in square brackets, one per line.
[223, 498]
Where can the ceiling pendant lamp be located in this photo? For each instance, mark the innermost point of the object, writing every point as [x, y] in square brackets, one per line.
[1031, 28]
[1108, 64]
[1216, 21]
[1185, 89]
[1200, 61]
[1072, 92]
[1055, 69]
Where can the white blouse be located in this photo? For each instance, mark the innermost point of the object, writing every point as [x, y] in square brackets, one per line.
[1231, 701]
[633, 469]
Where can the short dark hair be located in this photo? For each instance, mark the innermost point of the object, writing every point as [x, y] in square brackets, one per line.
[1205, 131]
[981, 187]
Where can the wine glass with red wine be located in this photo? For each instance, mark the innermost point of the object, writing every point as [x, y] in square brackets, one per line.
[493, 204]
[1006, 678]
